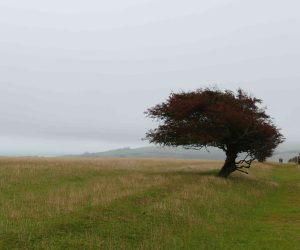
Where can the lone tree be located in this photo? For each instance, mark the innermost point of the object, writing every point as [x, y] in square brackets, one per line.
[210, 117]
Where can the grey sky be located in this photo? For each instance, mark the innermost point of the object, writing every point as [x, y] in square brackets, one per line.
[77, 76]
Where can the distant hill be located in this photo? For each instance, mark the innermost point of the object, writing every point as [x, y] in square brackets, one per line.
[285, 152]
[160, 152]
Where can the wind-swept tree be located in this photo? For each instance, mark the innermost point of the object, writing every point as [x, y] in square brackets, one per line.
[209, 117]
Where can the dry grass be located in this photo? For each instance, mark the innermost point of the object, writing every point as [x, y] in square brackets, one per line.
[72, 203]
[81, 181]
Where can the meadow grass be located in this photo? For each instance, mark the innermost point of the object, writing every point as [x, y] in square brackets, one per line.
[76, 203]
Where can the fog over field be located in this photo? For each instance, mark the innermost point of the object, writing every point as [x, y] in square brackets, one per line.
[77, 76]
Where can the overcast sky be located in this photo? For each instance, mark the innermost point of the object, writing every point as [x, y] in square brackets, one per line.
[77, 76]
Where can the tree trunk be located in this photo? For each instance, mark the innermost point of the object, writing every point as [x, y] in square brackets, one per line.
[229, 165]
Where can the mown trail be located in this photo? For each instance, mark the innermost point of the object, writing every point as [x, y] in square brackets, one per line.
[274, 221]
[146, 204]
[284, 205]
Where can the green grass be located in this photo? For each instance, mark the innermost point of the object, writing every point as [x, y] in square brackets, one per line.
[146, 204]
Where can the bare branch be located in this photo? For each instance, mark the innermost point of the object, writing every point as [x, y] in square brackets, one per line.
[243, 171]
[244, 164]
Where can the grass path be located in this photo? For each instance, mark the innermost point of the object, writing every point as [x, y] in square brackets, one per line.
[145, 204]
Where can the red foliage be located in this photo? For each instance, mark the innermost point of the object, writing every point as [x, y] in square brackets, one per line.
[230, 121]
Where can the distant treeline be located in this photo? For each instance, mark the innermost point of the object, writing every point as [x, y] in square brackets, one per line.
[295, 159]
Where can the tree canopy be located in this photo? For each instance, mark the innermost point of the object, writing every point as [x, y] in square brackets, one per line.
[231, 121]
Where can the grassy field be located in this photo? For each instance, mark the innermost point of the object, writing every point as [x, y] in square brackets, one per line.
[146, 204]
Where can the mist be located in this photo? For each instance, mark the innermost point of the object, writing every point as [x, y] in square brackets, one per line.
[77, 76]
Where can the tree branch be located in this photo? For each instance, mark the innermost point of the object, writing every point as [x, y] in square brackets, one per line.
[244, 163]
[245, 172]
